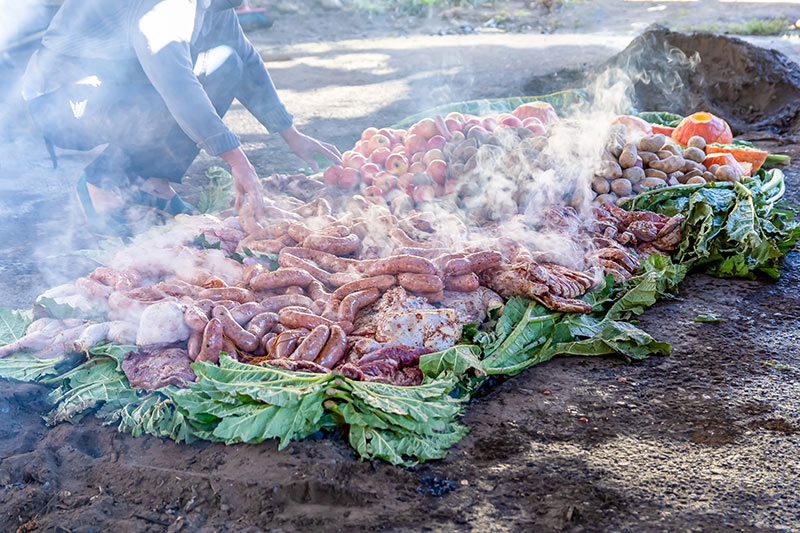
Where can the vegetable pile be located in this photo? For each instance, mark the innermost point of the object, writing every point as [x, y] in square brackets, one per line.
[510, 303]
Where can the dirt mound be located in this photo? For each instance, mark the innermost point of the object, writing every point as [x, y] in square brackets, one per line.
[753, 88]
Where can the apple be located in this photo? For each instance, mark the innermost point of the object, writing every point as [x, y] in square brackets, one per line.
[405, 181]
[415, 143]
[386, 182]
[367, 133]
[453, 125]
[349, 178]
[531, 120]
[389, 135]
[423, 193]
[399, 135]
[458, 136]
[331, 175]
[362, 147]
[368, 173]
[425, 127]
[450, 186]
[437, 169]
[634, 124]
[432, 155]
[439, 190]
[417, 166]
[398, 148]
[352, 159]
[537, 129]
[435, 142]
[455, 115]
[396, 164]
[541, 110]
[416, 157]
[473, 120]
[489, 123]
[512, 121]
[379, 155]
[378, 141]
[374, 194]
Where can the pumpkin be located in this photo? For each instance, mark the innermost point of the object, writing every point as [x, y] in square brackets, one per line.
[742, 154]
[633, 124]
[711, 128]
[541, 110]
[724, 158]
[666, 130]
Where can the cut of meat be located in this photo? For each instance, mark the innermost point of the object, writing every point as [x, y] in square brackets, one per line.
[153, 368]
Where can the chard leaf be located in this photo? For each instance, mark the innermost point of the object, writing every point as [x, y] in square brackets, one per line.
[22, 367]
[154, 414]
[458, 359]
[422, 403]
[532, 330]
[13, 325]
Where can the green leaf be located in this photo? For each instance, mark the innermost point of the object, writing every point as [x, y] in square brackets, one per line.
[22, 367]
[105, 251]
[709, 317]
[422, 403]
[64, 311]
[661, 118]
[219, 194]
[458, 359]
[403, 448]
[154, 414]
[13, 325]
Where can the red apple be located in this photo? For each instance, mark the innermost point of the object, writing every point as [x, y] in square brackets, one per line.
[368, 173]
[389, 135]
[379, 155]
[349, 178]
[416, 157]
[423, 193]
[398, 148]
[399, 135]
[453, 125]
[331, 175]
[415, 143]
[432, 155]
[537, 129]
[531, 120]
[417, 166]
[450, 186]
[386, 182]
[512, 121]
[541, 110]
[352, 159]
[436, 142]
[374, 194]
[378, 141]
[472, 120]
[405, 181]
[362, 147]
[439, 190]
[425, 127]
[455, 115]
[367, 133]
[396, 164]
[489, 123]
[437, 169]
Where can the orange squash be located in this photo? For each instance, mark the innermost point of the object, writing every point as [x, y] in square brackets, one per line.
[742, 154]
[724, 158]
[711, 128]
[666, 130]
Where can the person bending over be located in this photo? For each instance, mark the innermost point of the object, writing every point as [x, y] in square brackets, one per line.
[151, 79]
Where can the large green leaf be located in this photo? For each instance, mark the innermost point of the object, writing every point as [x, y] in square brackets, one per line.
[459, 360]
[23, 367]
[13, 325]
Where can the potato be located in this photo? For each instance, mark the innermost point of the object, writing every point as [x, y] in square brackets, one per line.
[609, 169]
[464, 151]
[634, 174]
[628, 157]
[600, 185]
[692, 173]
[694, 154]
[713, 168]
[621, 187]
[672, 148]
[671, 181]
[652, 143]
[697, 142]
[647, 157]
[664, 154]
[615, 148]
[653, 173]
[696, 179]
[689, 165]
[677, 176]
[709, 177]
[606, 198]
[726, 173]
[652, 183]
[669, 165]
[608, 156]
[622, 200]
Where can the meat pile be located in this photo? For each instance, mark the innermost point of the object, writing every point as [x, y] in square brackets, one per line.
[363, 293]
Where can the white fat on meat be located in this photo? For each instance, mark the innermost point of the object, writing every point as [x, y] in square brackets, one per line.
[472, 306]
[162, 323]
[435, 330]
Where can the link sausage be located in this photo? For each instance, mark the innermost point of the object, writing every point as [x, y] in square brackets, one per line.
[261, 324]
[243, 313]
[195, 318]
[379, 282]
[420, 282]
[334, 349]
[396, 264]
[283, 277]
[317, 292]
[484, 260]
[294, 317]
[463, 283]
[194, 344]
[213, 337]
[324, 259]
[354, 302]
[287, 260]
[337, 279]
[243, 339]
[286, 342]
[236, 294]
[312, 344]
[333, 245]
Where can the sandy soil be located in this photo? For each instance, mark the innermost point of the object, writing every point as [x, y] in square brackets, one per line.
[704, 439]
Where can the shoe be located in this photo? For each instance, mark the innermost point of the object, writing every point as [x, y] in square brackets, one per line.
[173, 206]
[110, 223]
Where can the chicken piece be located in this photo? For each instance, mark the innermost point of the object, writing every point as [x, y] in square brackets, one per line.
[46, 338]
[471, 307]
[510, 283]
[162, 323]
[151, 369]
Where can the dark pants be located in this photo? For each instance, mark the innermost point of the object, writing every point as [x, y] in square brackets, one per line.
[144, 141]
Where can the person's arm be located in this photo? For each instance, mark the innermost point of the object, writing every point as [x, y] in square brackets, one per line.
[160, 35]
[258, 95]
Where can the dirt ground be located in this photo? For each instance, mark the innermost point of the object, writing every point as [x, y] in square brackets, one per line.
[705, 439]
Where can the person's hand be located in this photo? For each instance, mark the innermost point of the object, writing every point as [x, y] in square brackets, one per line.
[305, 147]
[245, 180]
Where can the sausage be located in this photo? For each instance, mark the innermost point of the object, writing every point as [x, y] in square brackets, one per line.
[323, 259]
[317, 292]
[420, 282]
[294, 317]
[241, 338]
[286, 342]
[227, 304]
[283, 277]
[432, 297]
[207, 305]
[484, 260]
[261, 324]
[396, 264]
[273, 231]
[229, 348]
[333, 245]
[428, 253]
[335, 230]
[268, 343]
[112, 278]
[267, 246]
[309, 349]
[379, 282]
[273, 304]
[298, 231]
[402, 237]
[334, 349]
[213, 282]
[243, 313]
[213, 337]
[354, 302]
[292, 261]
[337, 279]
[236, 294]
[194, 344]
[195, 318]
[463, 283]
[251, 271]
[317, 207]
[457, 266]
